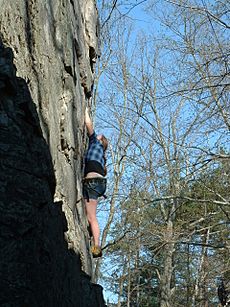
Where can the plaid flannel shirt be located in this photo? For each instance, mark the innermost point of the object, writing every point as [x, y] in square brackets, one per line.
[95, 150]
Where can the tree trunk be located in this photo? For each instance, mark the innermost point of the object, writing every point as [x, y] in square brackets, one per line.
[129, 280]
[200, 297]
[166, 278]
[121, 282]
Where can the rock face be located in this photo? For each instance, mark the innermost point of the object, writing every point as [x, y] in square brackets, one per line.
[47, 54]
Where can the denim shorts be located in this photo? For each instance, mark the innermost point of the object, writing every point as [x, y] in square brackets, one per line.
[93, 188]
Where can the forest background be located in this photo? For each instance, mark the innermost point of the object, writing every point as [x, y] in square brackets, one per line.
[162, 96]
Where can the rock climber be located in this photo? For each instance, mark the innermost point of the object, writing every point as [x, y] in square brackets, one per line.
[94, 182]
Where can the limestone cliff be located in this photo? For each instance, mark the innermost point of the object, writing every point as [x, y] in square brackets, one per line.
[45, 258]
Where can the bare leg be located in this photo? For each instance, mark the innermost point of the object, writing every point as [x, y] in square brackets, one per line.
[91, 210]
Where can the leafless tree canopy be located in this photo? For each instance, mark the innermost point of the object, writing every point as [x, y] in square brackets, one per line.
[163, 98]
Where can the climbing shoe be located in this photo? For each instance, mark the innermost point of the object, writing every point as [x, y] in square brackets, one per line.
[96, 251]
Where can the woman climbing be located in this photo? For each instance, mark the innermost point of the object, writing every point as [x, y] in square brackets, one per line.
[94, 183]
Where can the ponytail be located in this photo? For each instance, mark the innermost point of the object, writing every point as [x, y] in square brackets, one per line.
[105, 167]
[105, 146]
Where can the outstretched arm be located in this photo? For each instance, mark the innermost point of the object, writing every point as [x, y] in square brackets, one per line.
[88, 122]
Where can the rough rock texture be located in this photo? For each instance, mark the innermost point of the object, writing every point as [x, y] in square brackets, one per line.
[45, 258]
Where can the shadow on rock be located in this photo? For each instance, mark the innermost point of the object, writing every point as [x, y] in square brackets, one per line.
[36, 266]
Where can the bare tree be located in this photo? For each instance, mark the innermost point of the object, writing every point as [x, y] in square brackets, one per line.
[171, 112]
